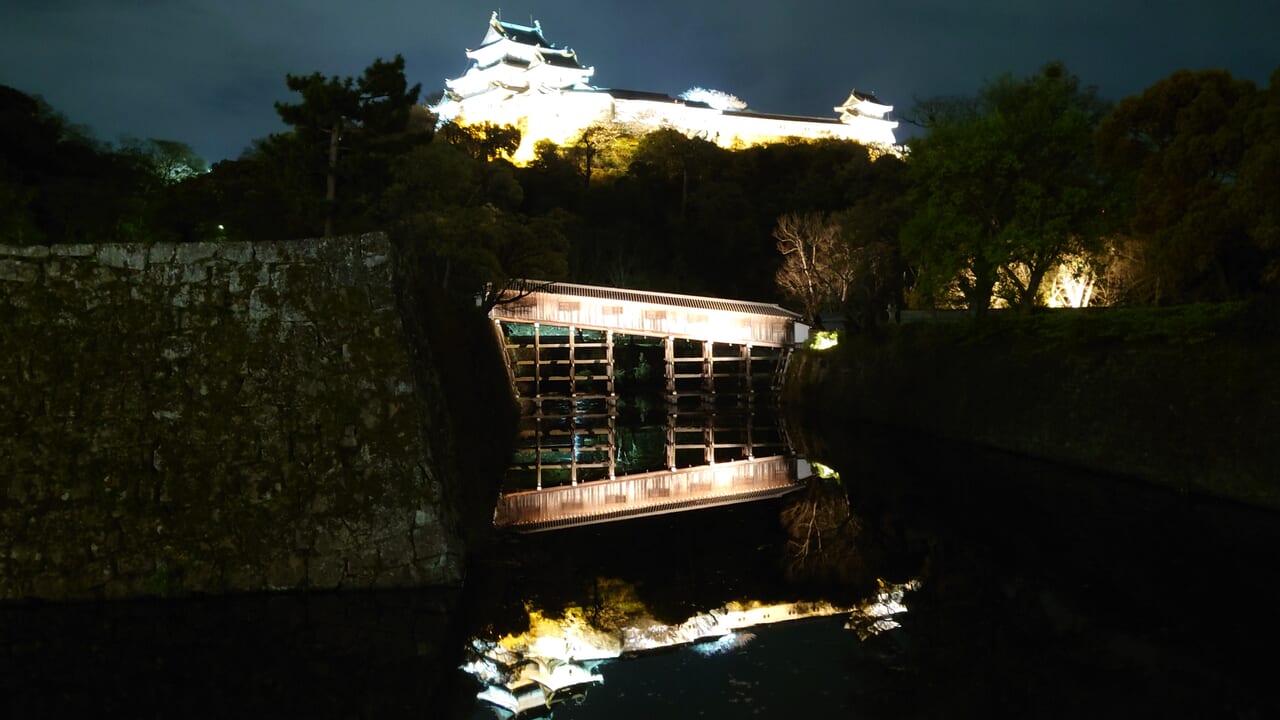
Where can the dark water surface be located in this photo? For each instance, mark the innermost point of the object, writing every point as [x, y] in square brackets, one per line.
[1054, 593]
[1046, 593]
[325, 655]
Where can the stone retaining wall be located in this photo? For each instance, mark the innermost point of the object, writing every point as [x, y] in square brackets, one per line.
[212, 417]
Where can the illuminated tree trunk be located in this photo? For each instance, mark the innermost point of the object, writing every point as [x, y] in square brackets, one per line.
[815, 262]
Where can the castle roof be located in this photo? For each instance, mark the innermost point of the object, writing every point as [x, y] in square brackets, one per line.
[569, 59]
[787, 118]
[865, 96]
[639, 95]
[697, 302]
[657, 97]
[506, 40]
[523, 34]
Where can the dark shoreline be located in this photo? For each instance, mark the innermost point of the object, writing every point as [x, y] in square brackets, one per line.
[1184, 398]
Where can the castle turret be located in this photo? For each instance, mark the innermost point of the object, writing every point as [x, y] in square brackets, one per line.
[869, 116]
[514, 59]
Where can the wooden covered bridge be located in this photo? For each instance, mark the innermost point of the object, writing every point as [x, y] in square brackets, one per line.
[639, 403]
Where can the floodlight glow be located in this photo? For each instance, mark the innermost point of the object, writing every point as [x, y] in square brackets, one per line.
[1072, 285]
[825, 339]
[723, 644]
[824, 472]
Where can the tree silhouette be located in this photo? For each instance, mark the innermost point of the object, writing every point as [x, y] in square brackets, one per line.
[363, 111]
[1193, 153]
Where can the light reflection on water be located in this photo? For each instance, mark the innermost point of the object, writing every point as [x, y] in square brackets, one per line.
[795, 670]
[561, 659]
[724, 644]
[1084, 591]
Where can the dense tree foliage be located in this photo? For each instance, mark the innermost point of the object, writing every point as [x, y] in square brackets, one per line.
[457, 212]
[329, 173]
[1259, 180]
[365, 121]
[1196, 154]
[669, 212]
[1170, 198]
[1004, 188]
[57, 184]
[661, 211]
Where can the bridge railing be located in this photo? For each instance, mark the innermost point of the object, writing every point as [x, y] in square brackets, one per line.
[646, 493]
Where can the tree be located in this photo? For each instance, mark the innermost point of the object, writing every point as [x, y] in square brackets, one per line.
[825, 539]
[844, 260]
[58, 184]
[485, 141]
[1179, 150]
[165, 209]
[677, 158]
[605, 147]
[874, 288]
[169, 161]
[365, 113]
[457, 219]
[817, 266]
[870, 226]
[1004, 187]
[17, 219]
[1258, 182]
[551, 180]
[268, 193]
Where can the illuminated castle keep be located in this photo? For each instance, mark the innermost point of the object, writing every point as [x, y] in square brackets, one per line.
[518, 78]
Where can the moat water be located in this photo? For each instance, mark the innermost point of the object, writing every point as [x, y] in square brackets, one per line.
[1043, 592]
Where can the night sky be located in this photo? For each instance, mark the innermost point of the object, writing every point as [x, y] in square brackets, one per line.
[206, 73]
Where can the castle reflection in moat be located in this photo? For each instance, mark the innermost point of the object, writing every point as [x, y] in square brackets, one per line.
[559, 659]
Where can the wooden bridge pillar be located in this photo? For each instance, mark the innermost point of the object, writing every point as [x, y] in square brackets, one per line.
[537, 362]
[750, 390]
[708, 368]
[567, 380]
[708, 402]
[669, 365]
[672, 398]
[611, 404]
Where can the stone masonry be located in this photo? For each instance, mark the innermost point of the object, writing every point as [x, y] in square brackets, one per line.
[213, 417]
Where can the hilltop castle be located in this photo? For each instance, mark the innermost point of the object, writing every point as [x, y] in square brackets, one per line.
[516, 77]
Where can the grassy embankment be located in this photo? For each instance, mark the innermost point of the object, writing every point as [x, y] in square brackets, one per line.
[1187, 397]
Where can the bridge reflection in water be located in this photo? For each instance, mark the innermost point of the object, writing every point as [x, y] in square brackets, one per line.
[652, 493]
[636, 403]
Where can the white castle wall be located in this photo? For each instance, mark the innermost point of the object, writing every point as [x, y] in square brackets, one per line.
[561, 116]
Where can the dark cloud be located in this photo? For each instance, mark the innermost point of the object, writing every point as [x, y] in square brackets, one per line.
[208, 73]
